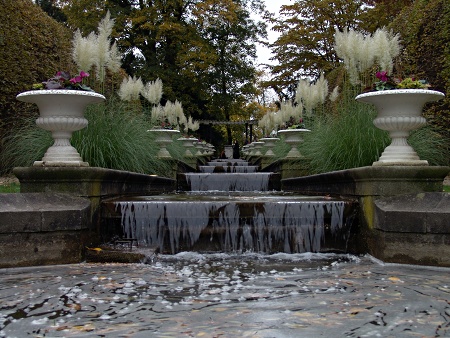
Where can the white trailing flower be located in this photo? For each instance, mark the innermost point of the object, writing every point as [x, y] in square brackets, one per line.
[130, 88]
[153, 91]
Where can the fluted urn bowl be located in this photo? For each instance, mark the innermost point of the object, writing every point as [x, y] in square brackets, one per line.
[399, 112]
[163, 138]
[61, 112]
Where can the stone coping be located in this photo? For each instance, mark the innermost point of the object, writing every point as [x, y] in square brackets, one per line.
[90, 181]
[371, 181]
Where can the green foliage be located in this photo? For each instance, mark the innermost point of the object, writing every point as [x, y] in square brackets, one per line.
[24, 144]
[10, 188]
[305, 45]
[201, 50]
[118, 139]
[431, 145]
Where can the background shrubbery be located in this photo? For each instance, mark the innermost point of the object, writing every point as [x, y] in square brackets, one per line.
[32, 48]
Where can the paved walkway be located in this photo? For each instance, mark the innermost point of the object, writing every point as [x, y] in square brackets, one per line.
[191, 295]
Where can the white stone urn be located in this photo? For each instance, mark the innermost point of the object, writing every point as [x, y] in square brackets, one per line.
[164, 137]
[293, 137]
[188, 143]
[257, 146]
[61, 111]
[269, 143]
[399, 112]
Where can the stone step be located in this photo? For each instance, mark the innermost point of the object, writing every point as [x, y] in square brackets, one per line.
[42, 228]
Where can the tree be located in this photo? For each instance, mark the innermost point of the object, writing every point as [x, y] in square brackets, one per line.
[423, 26]
[305, 46]
[203, 51]
[51, 8]
[232, 35]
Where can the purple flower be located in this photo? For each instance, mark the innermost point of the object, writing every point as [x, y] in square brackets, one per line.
[382, 76]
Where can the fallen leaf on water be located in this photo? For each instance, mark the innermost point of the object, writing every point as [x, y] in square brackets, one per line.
[94, 249]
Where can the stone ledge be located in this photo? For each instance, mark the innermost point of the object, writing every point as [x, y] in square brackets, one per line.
[42, 228]
[414, 213]
[90, 181]
[371, 181]
[35, 212]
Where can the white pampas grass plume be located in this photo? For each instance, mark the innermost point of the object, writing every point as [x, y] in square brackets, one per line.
[130, 89]
[114, 61]
[387, 46]
[96, 49]
[157, 113]
[334, 94]
[360, 52]
[84, 51]
[309, 95]
[191, 125]
[153, 91]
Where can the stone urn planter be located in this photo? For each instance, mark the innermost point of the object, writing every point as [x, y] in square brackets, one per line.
[399, 112]
[269, 143]
[164, 137]
[257, 146]
[188, 143]
[61, 112]
[293, 137]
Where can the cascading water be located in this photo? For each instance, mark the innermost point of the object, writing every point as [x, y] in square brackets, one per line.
[276, 224]
[233, 212]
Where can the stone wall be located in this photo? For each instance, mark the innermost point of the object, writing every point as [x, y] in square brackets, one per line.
[404, 214]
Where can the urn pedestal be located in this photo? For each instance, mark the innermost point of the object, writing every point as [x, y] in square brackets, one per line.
[399, 112]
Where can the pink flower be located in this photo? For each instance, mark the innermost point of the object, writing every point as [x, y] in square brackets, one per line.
[84, 74]
[383, 76]
[76, 79]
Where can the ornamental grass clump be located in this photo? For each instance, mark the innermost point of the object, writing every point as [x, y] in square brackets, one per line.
[169, 116]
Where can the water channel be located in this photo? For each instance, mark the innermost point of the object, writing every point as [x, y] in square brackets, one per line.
[230, 207]
[258, 263]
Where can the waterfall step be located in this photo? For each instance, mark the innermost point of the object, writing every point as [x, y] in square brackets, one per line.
[225, 168]
[233, 222]
[229, 182]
